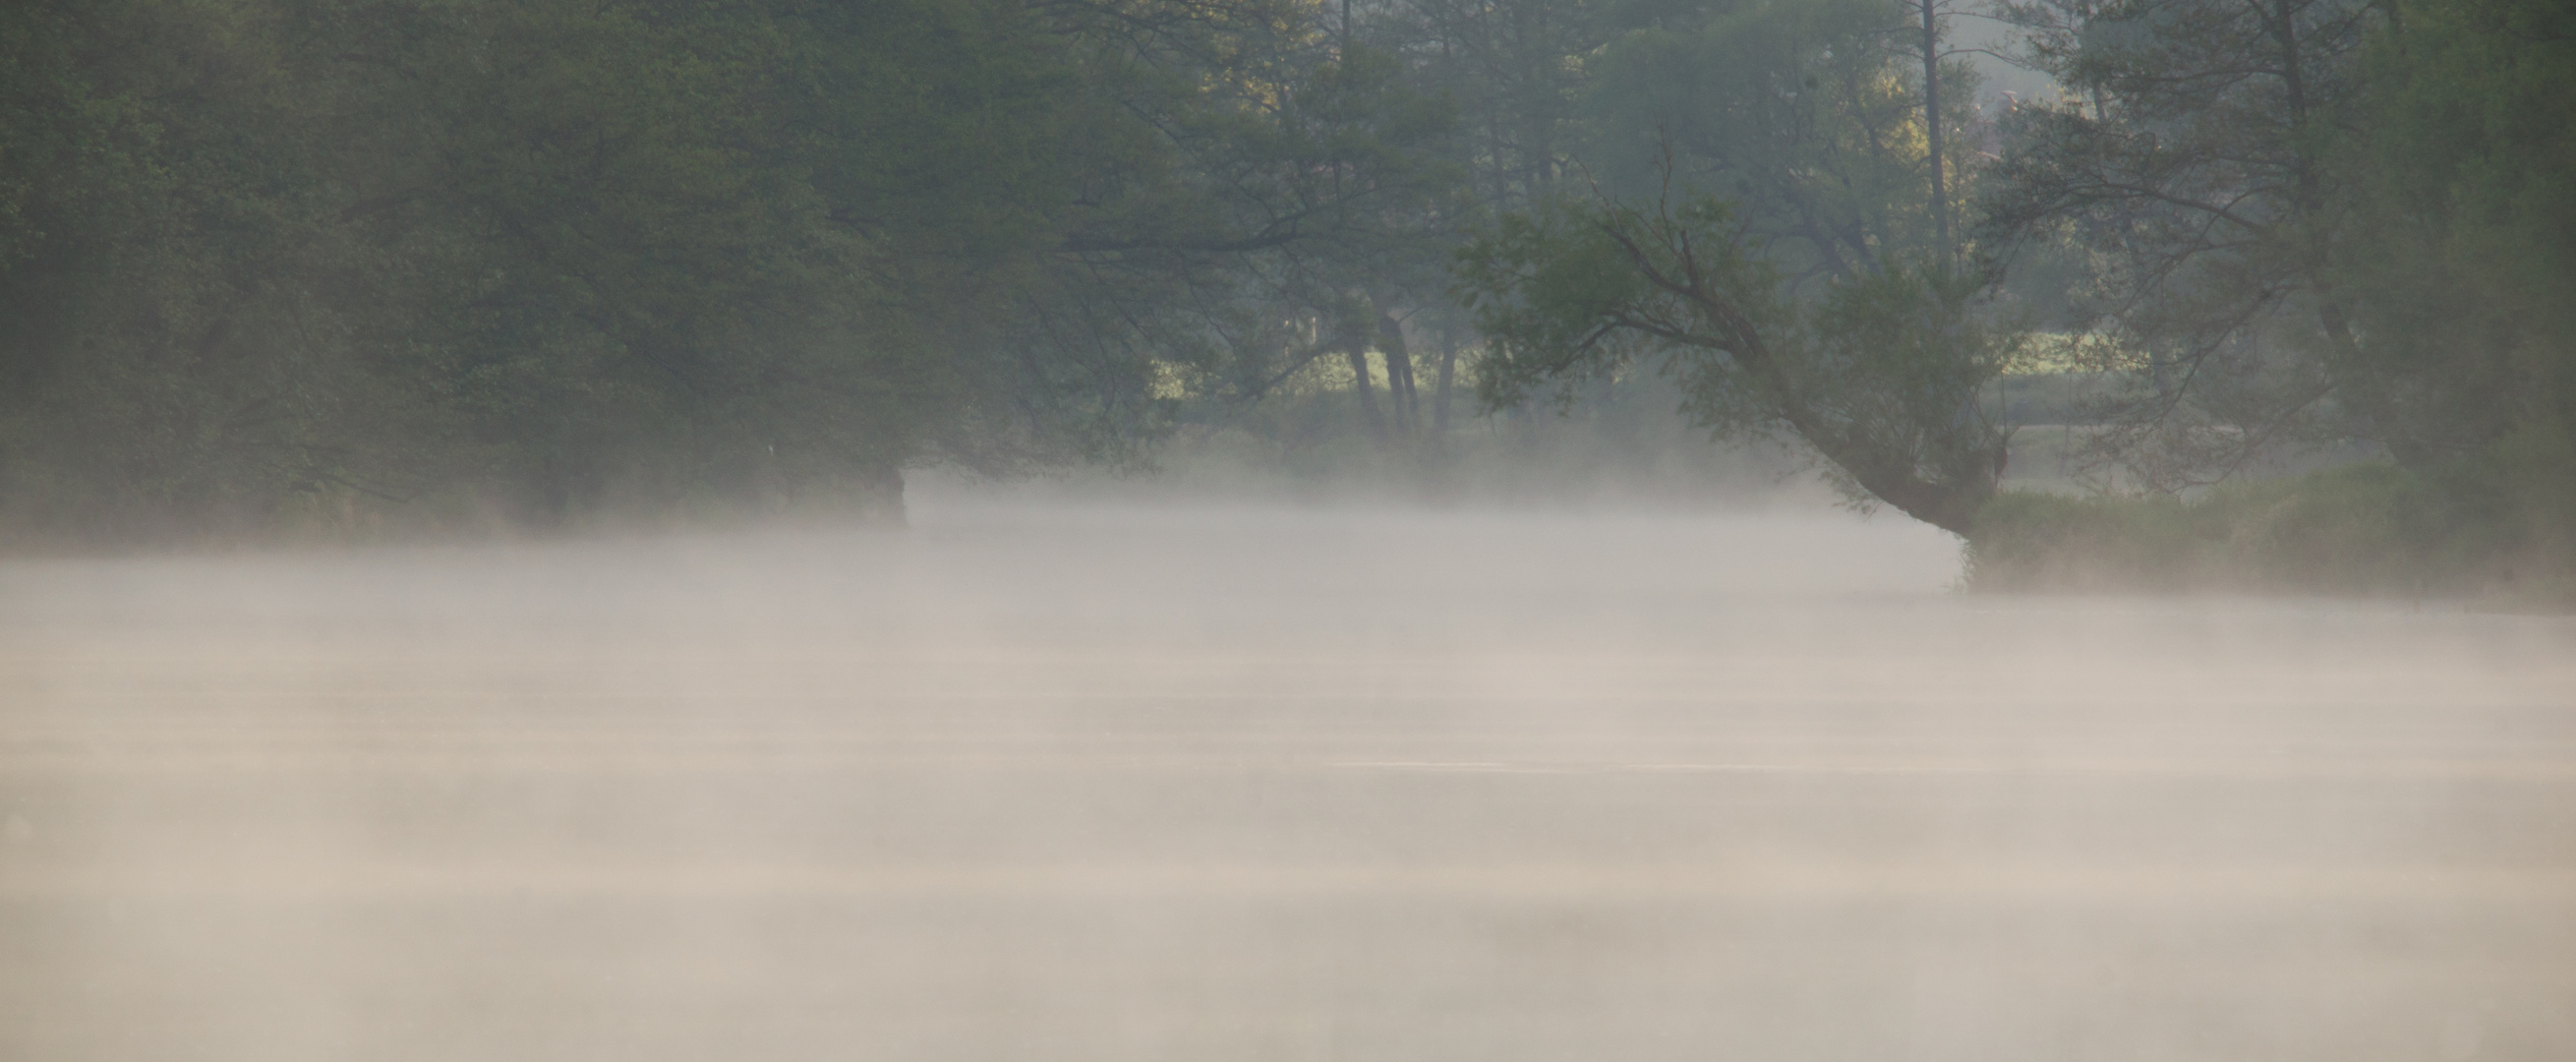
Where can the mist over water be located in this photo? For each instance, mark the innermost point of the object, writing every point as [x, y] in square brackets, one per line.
[1082, 782]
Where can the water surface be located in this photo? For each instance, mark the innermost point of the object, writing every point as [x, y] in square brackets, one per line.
[1166, 783]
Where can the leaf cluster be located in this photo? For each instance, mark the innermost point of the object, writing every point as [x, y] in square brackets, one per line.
[1881, 374]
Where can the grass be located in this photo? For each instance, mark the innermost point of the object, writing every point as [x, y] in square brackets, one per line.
[2366, 529]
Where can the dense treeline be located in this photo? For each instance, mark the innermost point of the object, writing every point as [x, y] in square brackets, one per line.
[259, 256]
[2245, 228]
[2306, 221]
[263, 254]
[269, 261]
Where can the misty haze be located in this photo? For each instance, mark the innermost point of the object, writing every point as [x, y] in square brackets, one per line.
[1288, 530]
[1075, 782]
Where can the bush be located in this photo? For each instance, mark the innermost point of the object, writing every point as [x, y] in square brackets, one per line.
[2027, 540]
[2372, 529]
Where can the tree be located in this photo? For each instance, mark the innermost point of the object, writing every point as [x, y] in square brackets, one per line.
[175, 350]
[1816, 299]
[1880, 375]
[1516, 71]
[2458, 249]
[2191, 158]
[548, 257]
[1307, 203]
[1800, 112]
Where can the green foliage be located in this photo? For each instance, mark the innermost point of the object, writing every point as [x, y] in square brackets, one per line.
[2372, 529]
[2301, 222]
[1287, 190]
[1516, 70]
[278, 261]
[168, 348]
[555, 257]
[1882, 374]
[1808, 115]
[2462, 246]
[1814, 296]
[2180, 192]
[2028, 540]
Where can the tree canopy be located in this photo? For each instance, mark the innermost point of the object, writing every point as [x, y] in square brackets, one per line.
[270, 253]
[261, 258]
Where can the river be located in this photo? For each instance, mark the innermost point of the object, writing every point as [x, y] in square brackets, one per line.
[1075, 782]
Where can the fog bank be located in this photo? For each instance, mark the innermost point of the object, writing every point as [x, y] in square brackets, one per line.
[1104, 782]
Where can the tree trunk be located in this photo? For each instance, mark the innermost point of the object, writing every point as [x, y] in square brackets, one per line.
[1932, 123]
[1440, 394]
[1949, 499]
[1399, 375]
[1358, 353]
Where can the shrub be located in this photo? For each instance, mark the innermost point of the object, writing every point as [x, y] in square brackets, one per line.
[2372, 528]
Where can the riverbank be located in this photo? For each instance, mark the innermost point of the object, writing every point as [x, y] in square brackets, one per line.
[2370, 529]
